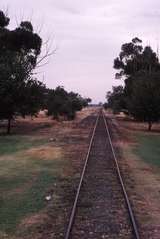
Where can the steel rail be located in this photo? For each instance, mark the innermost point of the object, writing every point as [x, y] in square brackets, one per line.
[72, 216]
[131, 214]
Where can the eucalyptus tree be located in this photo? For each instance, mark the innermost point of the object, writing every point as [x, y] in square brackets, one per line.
[140, 68]
[20, 93]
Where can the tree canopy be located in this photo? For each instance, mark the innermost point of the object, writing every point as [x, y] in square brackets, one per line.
[63, 103]
[115, 99]
[20, 93]
[140, 68]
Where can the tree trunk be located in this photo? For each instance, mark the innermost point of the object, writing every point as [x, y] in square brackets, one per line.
[9, 126]
[149, 126]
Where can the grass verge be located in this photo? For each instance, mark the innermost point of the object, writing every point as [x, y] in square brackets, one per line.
[27, 172]
[148, 148]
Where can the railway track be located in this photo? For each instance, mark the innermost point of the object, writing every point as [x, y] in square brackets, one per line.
[101, 208]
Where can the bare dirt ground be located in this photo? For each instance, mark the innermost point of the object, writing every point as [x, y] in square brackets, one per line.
[142, 180]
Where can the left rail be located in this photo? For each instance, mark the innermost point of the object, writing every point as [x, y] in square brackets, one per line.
[72, 216]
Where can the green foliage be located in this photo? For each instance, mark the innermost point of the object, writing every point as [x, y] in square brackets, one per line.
[116, 99]
[4, 20]
[144, 101]
[61, 103]
[19, 50]
[20, 93]
[133, 59]
[140, 68]
[105, 105]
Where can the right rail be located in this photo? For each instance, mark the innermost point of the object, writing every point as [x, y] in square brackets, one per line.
[130, 211]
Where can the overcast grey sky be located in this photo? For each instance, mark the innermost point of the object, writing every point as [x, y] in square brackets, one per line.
[88, 34]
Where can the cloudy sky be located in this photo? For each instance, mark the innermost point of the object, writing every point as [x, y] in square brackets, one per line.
[88, 35]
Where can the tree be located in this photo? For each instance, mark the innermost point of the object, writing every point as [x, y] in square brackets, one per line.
[4, 20]
[134, 59]
[128, 60]
[105, 106]
[55, 102]
[20, 93]
[140, 68]
[116, 99]
[86, 101]
[144, 102]
[63, 103]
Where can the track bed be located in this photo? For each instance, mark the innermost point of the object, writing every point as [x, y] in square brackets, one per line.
[101, 210]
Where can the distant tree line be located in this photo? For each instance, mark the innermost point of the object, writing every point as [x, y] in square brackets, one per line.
[62, 103]
[20, 92]
[140, 96]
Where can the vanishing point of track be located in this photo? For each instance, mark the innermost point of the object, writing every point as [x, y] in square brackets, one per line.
[101, 208]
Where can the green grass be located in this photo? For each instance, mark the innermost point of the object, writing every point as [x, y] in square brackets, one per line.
[14, 208]
[24, 180]
[12, 144]
[148, 148]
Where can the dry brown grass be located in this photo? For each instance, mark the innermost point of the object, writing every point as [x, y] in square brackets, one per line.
[137, 126]
[85, 112]
[142, 180]
[45, 152]
[36, 219]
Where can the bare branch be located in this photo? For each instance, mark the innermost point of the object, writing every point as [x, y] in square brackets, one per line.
[39, 28]
[47, 41]
[31, 16]
[16, 20]
[37, 73]
[47, 54]
[44, 64]
[6, 11]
